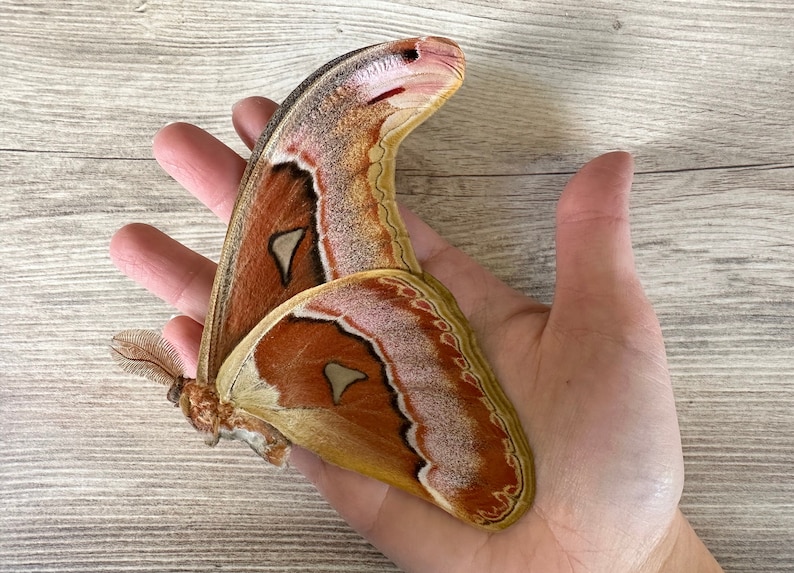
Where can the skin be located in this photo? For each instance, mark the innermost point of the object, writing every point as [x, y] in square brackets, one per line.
[588, 377]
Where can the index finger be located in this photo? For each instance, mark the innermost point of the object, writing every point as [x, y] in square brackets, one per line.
[208, 168]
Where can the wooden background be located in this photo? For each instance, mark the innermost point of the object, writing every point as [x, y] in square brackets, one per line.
[99, 473]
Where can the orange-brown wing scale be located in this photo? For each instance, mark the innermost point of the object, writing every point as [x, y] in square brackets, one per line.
[379, 372]
[317, 199]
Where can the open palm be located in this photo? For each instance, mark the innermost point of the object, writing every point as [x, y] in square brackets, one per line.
[587, 376]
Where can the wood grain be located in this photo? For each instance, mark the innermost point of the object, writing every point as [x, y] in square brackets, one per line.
[97, 472]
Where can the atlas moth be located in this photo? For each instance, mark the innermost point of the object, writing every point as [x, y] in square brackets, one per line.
[323, 330]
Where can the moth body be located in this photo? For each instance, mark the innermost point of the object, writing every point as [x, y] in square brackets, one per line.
[146, 353]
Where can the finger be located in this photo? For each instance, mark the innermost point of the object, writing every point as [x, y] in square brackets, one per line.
[176, 274]
[206, 167]
[250, 116]
[184, 334]
[595, 262]
[413, 533]
[593, 239]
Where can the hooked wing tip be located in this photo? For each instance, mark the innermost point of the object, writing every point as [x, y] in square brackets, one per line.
[438, 49]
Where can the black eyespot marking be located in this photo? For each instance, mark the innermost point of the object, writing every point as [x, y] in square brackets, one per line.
[410, 55]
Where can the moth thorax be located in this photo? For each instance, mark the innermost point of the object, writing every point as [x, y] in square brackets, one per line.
[200, 405]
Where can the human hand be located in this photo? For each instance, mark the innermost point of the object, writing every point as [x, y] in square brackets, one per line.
[587, 376]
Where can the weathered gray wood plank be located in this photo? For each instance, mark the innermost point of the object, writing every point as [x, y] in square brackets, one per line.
[98, 472]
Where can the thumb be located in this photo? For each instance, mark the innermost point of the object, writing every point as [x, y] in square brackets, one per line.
[595, 263]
